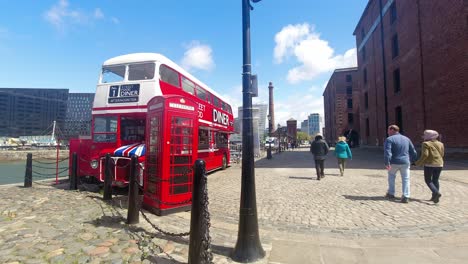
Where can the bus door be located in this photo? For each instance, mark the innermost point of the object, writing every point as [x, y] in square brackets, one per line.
[172, 141]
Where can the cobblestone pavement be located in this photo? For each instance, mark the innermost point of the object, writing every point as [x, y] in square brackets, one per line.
[301, 220]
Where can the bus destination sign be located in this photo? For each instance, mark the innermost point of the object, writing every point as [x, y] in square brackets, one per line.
[127, 93]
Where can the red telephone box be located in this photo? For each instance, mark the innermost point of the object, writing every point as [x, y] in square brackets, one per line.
[171, 148]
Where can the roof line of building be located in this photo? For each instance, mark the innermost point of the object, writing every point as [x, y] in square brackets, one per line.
[346, 69]
[360, 19]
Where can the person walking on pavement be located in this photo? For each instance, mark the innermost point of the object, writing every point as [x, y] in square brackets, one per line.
[399, 153]
[319, 149]
[432, 157]
[342, 153]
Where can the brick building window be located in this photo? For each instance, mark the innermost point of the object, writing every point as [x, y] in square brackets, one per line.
[366, 101]
[393, 12]
[365, 76]
[399, 118]
[396, 81]
[350, 103]
[350, 118]
[367, 127]
[395, 48]
[349, 78]
[349, 90]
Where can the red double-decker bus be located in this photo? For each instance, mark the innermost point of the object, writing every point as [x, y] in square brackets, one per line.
[120, 118]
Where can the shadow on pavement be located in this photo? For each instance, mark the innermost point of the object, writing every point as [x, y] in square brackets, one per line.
[363, 158]
[365, 198]
[301, 178]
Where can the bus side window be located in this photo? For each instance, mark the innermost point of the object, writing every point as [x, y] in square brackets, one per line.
[216, 101]
[208, 98]
[224, 106]
[201, 93]
[221, 140]
[203, 139]
[169, 76]
[188, 86]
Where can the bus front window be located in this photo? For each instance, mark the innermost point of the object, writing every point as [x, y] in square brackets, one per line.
[132, 129]
[105, 129]
[142, 71]
[112, 74]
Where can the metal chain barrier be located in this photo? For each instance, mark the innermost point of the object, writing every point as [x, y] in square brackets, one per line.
[49, 168]
[200, 240]
[154, 199]
[162, 231]
[40, 160]
[59, 172]
[206, 253]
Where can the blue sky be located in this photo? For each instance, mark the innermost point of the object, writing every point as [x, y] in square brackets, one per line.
[296, 44]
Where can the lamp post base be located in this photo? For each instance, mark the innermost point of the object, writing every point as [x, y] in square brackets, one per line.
[269, 153]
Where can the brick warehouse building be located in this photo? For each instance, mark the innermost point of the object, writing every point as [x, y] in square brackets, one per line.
[412, 69]
[341, 102]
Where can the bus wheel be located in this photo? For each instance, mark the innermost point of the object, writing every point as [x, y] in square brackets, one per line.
[224, 162]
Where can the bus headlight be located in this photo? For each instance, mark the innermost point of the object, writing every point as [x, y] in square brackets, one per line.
[94, 164]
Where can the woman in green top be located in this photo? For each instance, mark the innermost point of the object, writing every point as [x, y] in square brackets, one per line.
[342, 153]
[432, 157]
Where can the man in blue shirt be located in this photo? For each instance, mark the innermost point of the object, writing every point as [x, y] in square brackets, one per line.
[399, 153]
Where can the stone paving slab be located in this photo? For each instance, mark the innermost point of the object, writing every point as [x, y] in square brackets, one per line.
[301, 220]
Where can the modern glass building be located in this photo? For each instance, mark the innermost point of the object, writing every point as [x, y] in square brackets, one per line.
[314, 124]
[28, 112]
[78, 119]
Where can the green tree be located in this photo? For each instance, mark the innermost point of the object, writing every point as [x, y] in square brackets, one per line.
[302, 136]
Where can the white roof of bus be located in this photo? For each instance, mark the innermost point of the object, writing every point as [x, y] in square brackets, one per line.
[148, 57]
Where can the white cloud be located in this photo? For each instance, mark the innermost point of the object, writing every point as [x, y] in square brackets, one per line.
[98, 13]
[198, 56]
[60, 15]
[115, 20]
[298, 106]
[287, 38]
[314, 55]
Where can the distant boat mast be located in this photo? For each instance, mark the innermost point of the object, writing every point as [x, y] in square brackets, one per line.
[53, 132]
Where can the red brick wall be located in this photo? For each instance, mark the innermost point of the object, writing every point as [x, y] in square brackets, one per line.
[336, 107]
[433, 65]
[444, 32]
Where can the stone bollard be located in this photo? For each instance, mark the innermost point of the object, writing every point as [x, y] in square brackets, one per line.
[74, 172]
[200, 241]
[107, 179]
[133, 213]
[28, 172]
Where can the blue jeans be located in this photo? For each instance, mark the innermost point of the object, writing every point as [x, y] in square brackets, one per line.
[431, 177]
[405, 179]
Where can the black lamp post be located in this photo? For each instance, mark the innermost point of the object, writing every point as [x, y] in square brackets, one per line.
[248, 247]
[279, 138]
[269, 138]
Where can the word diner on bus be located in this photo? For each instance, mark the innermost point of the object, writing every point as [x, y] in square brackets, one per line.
[220, 117]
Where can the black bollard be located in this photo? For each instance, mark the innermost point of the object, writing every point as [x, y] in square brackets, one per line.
[28, 172]
[200, 241]
[74, 172]
[133, 214]
[107, 179]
